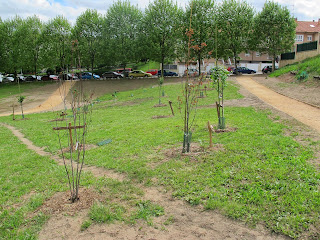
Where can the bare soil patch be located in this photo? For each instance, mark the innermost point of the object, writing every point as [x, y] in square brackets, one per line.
[161, 116]
[287, 85]
[60, 202]
[160, 105]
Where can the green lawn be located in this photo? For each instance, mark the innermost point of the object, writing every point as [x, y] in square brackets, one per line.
[309, 65]
[257, 175]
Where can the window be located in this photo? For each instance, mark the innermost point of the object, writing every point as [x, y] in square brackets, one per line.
[258, 54]
[299, 38]
[309, 37]
[247, 54]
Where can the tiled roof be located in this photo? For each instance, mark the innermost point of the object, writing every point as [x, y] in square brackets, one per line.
[310, 27]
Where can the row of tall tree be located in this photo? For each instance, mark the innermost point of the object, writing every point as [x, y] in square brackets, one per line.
[127, 34]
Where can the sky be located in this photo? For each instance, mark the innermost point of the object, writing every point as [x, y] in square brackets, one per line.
[304, 10]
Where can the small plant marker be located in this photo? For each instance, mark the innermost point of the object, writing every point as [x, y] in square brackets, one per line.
[211, 130]
[70, 132]
[170, 103]
[13, 118]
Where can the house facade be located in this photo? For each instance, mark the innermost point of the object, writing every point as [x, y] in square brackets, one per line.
[306, 44]
[307, 31]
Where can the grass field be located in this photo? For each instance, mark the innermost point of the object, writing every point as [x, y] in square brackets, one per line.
[309, 65]
[256, 175]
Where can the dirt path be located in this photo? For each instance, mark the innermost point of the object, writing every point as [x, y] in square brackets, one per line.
[40, 101]
[96, 171]
[188, 222]
[302, 112]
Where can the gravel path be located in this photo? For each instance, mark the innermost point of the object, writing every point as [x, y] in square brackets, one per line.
[303, 112]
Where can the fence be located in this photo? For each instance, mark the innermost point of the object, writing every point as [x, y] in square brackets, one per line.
[288, 56]
[307, 46]
[170, 67]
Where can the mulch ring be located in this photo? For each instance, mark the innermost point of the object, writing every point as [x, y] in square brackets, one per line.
[161, 116]
[60, 202]
[160, 105]
[225, 130]
[196, 150]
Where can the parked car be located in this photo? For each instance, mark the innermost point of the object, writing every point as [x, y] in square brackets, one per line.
[230, 69]
[121, 70]
[20, 77]
[112, 75]
[191, 72]
[1, 77]
[243, 70]
[267, 69]
[139, 73]
[54, 77]
[89, 75]
[153, 71]
[8, 78]
[30, 78]
[45, 78]
[167, 73]
[69, 76]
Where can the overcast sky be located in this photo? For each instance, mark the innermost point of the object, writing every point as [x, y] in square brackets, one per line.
[306, 10]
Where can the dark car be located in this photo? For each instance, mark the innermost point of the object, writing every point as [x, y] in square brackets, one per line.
[243, 70]
[69, 76]
[45, 78]
[167, 73]
[88, 75]
[30, 78]
[112, 75]
[268, 68]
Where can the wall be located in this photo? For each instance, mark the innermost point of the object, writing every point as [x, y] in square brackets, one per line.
[300, 56]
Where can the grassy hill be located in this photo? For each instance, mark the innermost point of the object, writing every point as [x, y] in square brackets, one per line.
[310, 65]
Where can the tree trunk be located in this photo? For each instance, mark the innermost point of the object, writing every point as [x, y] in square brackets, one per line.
[92, 60]
[273, 63]
[235, 63]
[162, 63]
[199, 60]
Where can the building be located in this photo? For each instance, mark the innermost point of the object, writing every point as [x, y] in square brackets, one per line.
[307, 31]
[306, 44]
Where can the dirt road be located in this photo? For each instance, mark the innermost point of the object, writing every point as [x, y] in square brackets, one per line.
[302, 112]
[48, 98]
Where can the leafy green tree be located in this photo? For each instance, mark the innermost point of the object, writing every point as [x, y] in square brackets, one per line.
[234, 26]
[58, 42]
[274, 30]
[161, 22]
[33, 40]
[122, 25]
[2, 45]
[202, 15]
[88, 33]
[12, 33]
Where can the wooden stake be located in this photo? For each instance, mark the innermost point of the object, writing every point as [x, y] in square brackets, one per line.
[13, 112]
[210, 128]
[70, 131]
[170, 103]
[218, 109]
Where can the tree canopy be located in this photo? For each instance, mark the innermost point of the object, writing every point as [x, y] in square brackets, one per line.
[161, 21]
[126, 34]
[234, 23]
[274, 30]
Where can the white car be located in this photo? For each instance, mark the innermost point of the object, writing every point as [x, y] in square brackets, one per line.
[21, 77]
[9, 78]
